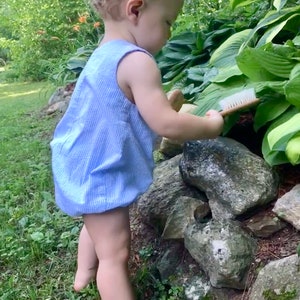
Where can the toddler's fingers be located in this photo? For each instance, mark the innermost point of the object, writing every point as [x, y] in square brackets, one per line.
[212, 113]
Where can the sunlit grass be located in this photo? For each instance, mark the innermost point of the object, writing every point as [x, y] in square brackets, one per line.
[38, 243]
[23, 96]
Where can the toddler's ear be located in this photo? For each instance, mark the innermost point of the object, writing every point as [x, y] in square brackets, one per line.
[133, 9]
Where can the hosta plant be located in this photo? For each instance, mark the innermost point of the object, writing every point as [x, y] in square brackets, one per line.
[71, 67]
[266, 58]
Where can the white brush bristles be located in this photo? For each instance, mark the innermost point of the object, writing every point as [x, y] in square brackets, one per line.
[238, 101]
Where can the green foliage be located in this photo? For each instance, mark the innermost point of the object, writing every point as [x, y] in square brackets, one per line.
[212, 16]
[283, 295]
[38, 243]
[278, 4]
[265, 57]
[72, 65]
[272, 68]
[196, 15]
[255, 45]
[185, 60]
[50, 30]
[148, 284]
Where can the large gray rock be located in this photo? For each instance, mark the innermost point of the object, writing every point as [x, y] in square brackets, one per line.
[163, 195]
[234, 179]
[228, 179]
[197, 288]
[169, 262]
[59, 100]
[264, 226]
[184, 212]
[223, 250]
[288, 207]
[277, 278]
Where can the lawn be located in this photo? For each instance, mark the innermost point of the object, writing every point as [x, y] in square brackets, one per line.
[38, 242]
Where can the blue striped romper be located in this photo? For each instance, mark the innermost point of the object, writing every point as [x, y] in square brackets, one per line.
[102, 149]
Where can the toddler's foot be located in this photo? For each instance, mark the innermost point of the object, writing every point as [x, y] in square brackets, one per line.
[82, 279]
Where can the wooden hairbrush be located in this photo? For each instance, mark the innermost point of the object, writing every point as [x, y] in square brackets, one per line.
[238, 101]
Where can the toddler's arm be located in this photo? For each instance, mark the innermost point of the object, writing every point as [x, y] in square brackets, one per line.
[140, 74]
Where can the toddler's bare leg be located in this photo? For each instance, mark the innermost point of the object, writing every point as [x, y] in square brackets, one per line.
[87, 262]
[110, 232]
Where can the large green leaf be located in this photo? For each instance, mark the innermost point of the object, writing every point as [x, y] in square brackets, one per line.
[177, 56]
[76, 63]
[195, 74]
[226, 73]
[279, 136]
[271, 33]
[261, 65]
[295, 72]
[296, 40]
[250, 65]
[279, 4]
[214, 93]
[166, 64]
[237, 3]
[268, 111]
[185, 38]
[174, 72]
[216, 37]
[224, 56]
[275, 157]
[276, 86]
[293, 149]
[292, 91]
[272, 18]
[209, 99]
[273, 102]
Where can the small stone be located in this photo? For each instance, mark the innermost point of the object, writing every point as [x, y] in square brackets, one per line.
[265, 226]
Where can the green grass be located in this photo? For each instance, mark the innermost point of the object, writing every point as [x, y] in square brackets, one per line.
[38, 242]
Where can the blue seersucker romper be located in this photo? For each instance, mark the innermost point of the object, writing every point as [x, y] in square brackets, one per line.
[102, 150]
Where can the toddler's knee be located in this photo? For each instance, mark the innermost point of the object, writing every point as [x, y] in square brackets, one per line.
[114, 252]
[122, 255]
[115, 258]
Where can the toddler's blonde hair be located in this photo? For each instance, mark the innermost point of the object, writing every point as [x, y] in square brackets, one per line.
[107, 8]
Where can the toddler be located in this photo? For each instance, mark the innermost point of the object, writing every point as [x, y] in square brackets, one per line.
[102, 147]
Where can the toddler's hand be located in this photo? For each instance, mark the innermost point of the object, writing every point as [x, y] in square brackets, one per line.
[217, 119]
[213, 113]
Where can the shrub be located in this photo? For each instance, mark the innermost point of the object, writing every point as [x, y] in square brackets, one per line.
[50, 31]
